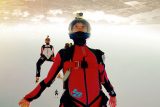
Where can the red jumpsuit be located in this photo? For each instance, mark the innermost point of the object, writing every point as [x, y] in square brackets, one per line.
[83, 86]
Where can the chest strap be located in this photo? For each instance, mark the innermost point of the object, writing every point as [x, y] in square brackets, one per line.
[80, 64]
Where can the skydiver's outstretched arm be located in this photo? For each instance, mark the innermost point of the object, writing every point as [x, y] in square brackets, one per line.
[108, 86]
[106, 83]
[35, 93]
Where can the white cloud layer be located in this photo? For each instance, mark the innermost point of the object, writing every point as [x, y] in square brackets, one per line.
[107, 11]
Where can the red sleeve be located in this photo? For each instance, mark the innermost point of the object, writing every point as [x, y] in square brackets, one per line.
[106, 83]
[56, 67]
[103, 77]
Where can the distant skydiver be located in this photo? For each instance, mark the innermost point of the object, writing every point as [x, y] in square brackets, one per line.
[56, 92]
[47, 54]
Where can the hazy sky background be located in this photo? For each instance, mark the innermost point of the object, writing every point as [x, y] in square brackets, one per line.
[127, 31]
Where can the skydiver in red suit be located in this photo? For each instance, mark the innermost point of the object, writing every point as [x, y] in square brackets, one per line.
[84, 72]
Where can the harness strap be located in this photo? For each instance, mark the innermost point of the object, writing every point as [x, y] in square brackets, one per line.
[78, 64]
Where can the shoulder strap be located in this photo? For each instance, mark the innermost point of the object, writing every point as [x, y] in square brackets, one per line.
[98, 53]
[67, 54]
[43, 46]
[51, 47]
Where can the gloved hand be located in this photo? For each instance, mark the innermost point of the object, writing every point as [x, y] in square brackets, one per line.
[113, 101]
[24, 103]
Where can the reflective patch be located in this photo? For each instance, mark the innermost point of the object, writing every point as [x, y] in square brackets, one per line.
[76, 94]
